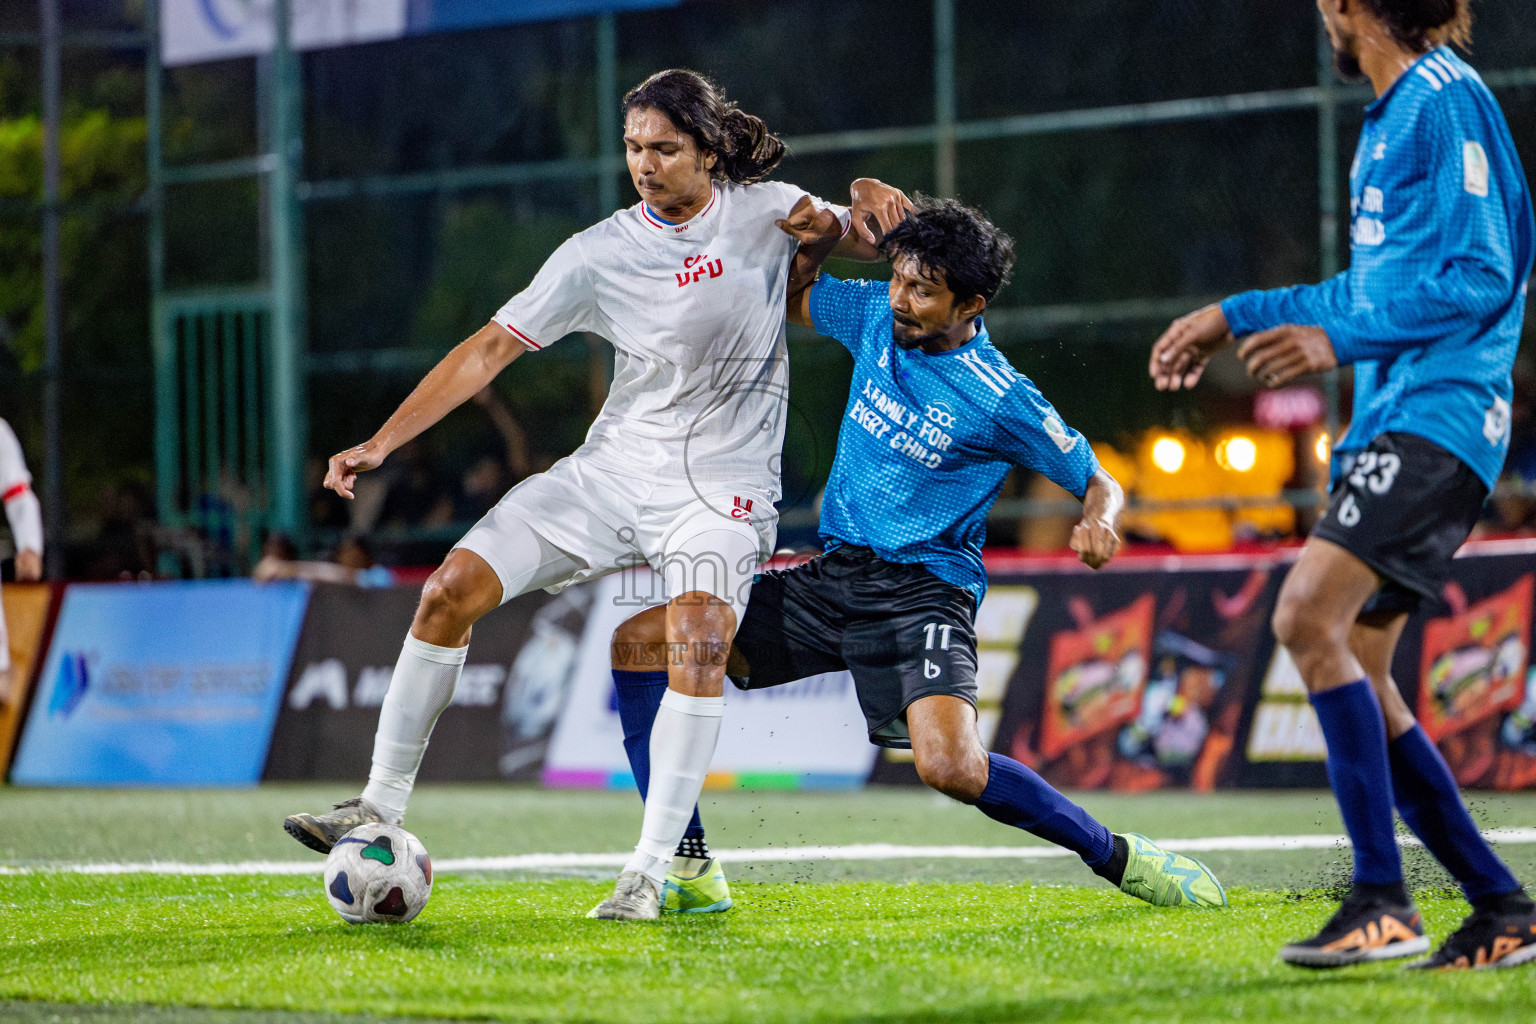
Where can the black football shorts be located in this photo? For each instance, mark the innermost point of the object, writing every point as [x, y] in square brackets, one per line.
[1403, 505]
[903, 633]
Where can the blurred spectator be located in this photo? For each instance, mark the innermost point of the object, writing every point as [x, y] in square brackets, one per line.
[124, 546]
[356, 556]
[280, 561]
[327, 509]
[415, 495]
[493, 474]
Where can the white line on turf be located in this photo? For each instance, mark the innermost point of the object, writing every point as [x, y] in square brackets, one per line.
[776, 854]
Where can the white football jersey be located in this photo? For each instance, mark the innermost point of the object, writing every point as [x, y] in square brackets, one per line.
[695, 312]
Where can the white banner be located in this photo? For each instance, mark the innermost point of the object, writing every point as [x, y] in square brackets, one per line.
[192, 31]
[811, 728]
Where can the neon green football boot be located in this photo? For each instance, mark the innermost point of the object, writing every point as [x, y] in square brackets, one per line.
[1167, 879]
[695, 887]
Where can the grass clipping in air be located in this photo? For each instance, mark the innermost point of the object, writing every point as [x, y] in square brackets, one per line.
[521, 951]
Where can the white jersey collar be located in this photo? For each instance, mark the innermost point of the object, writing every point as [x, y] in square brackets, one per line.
[684, 227]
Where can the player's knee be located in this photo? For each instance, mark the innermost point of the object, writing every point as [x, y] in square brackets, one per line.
[959, 776]
[640, 641]
[449, 599]
[1302, 625]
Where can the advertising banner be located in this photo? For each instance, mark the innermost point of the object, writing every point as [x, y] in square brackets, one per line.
[192, 31]
[1136, 680]
[806, 734]
[512, 689]
[161, 684]
[26, 619]
[1151, 674]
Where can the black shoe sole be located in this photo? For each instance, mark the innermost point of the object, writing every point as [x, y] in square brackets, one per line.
[305, 836]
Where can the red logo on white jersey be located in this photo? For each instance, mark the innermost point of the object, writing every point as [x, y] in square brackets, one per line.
[742, 509]
[696, 267]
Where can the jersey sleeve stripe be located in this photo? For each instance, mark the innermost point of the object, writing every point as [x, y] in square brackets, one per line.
[1429, 77]
[15, 492]
[522, 337]
[1448, 66]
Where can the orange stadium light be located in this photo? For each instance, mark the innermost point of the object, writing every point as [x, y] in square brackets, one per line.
[1256, 463]
[1237, 453]
[1168, 454]
[1179, 467]
[1323, 449]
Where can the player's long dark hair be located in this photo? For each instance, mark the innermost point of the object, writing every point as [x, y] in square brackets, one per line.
[1420, 24]
[745, 150]
[974, 254]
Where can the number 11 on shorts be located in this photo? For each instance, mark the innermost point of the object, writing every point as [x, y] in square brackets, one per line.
[943, 634]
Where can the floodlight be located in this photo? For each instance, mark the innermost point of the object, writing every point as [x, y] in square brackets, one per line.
[1168, 454]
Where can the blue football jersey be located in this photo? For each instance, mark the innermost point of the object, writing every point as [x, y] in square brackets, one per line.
[1441, 244]
[926, 440]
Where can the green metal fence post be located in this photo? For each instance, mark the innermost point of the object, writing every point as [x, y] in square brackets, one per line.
[608, 127]
[944, 96]
[286, 392]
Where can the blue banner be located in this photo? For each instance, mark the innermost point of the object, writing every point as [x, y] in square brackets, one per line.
[161, 684]
[445, 15]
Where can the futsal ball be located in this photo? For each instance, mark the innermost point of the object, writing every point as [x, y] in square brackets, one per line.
[378, 873]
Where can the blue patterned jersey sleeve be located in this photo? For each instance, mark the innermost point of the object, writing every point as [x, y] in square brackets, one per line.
[842, 309]
[1028, 431]
[1468, 279]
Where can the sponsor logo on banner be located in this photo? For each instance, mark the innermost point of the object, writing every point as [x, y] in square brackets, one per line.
[192, 31]
[1096, 676]
[1285, 728]
[519, 662]
[161, 683]
[1473, 663]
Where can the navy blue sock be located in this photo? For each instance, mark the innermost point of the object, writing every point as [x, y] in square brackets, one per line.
[639, 697]
[1017, 796]
[1357, 769]
[1430, 802]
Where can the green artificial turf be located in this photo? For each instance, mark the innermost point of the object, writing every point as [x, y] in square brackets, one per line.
[897, 941]
[520, 951]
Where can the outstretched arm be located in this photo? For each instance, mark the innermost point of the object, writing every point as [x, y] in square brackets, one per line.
[818, 231]
[462, 372]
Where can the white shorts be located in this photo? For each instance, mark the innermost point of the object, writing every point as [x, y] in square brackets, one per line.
[576, 522]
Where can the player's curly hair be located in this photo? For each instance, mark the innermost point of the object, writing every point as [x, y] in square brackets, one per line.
[1420, 24]
[943, 235]
[745, 150]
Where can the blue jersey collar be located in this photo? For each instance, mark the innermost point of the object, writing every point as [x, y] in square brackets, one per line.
[1415, 69]
[979, 339]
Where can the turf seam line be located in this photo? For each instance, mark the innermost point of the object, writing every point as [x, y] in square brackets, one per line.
[776, 854]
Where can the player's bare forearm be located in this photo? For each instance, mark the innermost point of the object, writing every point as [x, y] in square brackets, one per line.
[469, 367]
[802, 274]
[1096, 539]
[818, 232]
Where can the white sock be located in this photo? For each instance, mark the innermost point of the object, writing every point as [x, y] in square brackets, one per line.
[423, 684]
[682, 745]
